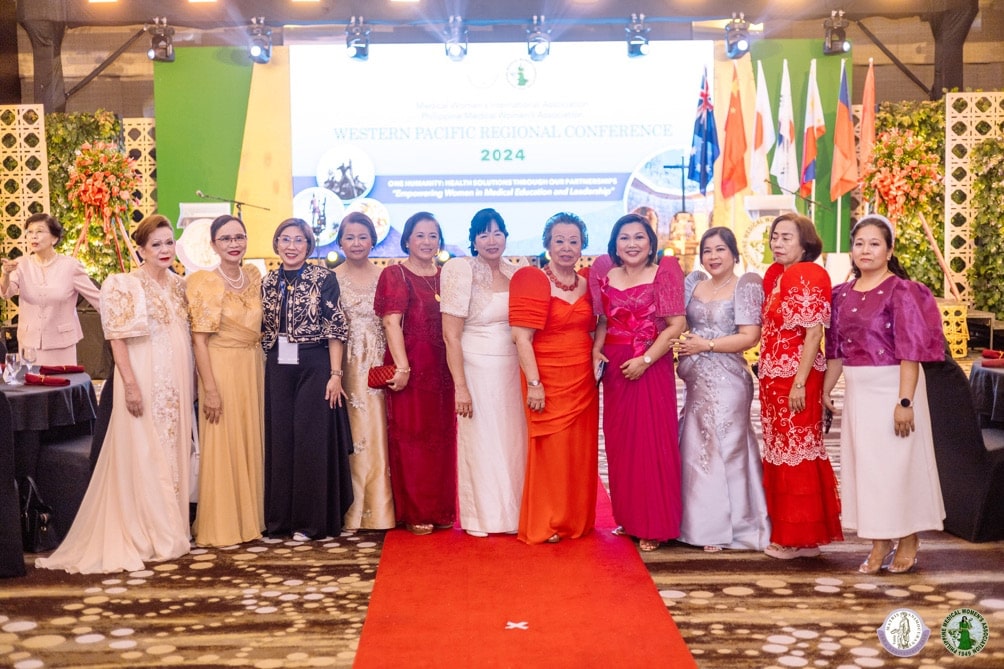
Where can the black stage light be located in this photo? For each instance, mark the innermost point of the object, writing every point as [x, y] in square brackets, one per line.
[357, 39]
[538, 40]
[260, 45]
[835, 40]
[161, 41]
[737, 36]
[637, 36]
[456, 39]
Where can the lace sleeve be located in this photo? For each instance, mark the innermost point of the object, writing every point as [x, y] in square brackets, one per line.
[123, 308]
[748, 299]
[391, 292]
[805, 296]
[456, 282]
[669, 288]
[205, 301]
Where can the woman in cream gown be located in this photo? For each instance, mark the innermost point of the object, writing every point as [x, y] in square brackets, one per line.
[491, 427]
[373, 504]
[225, 305]
[136, 506]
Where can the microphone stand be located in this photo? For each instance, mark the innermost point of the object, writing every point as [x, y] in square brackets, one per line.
[237, 203]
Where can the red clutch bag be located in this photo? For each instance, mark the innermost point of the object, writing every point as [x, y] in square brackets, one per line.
[380, 377]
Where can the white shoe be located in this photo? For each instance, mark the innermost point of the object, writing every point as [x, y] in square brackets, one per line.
[301, 537]
[476, 533]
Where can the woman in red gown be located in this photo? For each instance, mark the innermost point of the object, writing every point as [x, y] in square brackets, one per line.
[552, 323]
[798, 479]
[421, 423]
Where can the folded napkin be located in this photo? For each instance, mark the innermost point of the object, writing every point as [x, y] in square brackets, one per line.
[992, 354]
[60, 369]
[42, 380]
[999, 362]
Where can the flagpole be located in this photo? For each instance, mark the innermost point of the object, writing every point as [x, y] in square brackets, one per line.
[840, 218]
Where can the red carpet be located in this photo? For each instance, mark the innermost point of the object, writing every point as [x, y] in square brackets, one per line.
[451, 600]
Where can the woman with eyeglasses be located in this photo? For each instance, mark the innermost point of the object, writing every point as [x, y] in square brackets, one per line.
[308, 487]
[136, 506]
[421, 418]
[225, 307]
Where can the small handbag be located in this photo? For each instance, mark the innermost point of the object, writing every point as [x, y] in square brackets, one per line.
[38, 534]
[381, 376]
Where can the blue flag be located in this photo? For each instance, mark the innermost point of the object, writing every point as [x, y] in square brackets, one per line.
[704, 151]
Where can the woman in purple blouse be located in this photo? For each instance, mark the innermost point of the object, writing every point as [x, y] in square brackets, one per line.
[883, 326]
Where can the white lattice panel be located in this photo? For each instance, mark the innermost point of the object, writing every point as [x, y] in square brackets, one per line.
[969, 119]
[141, 146]
[24, 178]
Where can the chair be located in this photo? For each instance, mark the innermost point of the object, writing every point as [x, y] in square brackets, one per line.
[972, 477]
[11, 548]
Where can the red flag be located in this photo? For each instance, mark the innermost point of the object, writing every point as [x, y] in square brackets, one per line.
[734, 153]
[868, 118]
[844, 173]
[815, 128]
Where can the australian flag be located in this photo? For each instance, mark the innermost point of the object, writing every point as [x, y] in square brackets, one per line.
[704, 151]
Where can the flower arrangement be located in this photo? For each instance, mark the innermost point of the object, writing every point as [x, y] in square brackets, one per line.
[100, 188]
[902, 173]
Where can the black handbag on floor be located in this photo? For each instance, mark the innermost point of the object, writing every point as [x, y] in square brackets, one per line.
[38, 533]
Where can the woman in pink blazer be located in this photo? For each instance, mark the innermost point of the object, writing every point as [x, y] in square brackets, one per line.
[48, 284]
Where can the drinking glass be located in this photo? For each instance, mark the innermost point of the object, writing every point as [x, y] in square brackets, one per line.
[29, 355]
[12, 369]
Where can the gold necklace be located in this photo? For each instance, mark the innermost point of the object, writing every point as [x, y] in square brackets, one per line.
[430, 284]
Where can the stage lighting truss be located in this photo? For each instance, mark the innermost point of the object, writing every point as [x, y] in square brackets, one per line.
[835, 40]
[357, 39]
[538, 39]
[456, 39]
[260, 44]
[161, 41]
[737, 36]
[637, 36]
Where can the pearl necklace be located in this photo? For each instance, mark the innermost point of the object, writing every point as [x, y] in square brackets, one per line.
[715, 289]
[235, 284]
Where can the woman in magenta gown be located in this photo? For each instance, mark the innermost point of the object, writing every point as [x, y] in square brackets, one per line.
[640, 304]
[421, 418]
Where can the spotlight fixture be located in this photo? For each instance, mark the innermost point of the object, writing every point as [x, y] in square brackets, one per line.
[357, 39]
[161, 41]
[835, 40]
[538, 39]
[737, 36]
[637, 36]
[260, 46]
[456, 39]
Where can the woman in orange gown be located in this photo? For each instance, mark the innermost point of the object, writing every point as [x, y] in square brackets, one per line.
[552, 323]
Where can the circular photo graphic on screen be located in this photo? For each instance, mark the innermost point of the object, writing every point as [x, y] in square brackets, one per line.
[322, 210]
[194, 247]
[347, 172]
[378, 213]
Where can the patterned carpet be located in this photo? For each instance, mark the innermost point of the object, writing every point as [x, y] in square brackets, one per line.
[277, 603]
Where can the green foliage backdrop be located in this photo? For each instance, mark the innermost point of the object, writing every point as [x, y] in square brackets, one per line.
[986, 275]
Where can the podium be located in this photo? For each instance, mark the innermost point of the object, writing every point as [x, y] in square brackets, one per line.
[762, 210]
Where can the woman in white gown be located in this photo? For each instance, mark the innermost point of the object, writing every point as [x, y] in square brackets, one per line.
[491, 427]
[136, 506]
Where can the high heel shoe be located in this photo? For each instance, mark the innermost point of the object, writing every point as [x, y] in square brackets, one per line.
[868, 567]
[892, 568]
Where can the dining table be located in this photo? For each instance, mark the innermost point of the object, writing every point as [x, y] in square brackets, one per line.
[986, 384]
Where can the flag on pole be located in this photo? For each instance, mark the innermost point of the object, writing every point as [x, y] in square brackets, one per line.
[784, 166]
[815, 128]
[844, 174]
[734, 153]
[867, 142]
[704, 151]
[763, 135]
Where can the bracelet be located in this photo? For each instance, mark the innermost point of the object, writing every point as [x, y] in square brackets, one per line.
[402, 370]
[336, 372]
[798, 385]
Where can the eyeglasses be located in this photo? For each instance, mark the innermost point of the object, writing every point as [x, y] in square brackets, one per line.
[292, 241]
[227, 239]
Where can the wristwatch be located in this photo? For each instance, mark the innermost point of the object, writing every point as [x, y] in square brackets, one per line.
[906, 403]
[711, 345]
[533, 384]
[799, 385]
[647, 360]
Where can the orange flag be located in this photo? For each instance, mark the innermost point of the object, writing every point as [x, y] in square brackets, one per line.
[844, 173]
[867, 141]
[734, 153]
